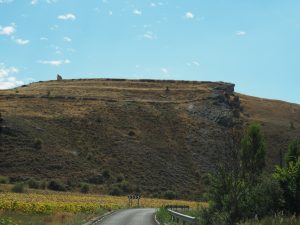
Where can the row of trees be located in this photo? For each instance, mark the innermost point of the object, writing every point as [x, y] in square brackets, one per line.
[239, 189]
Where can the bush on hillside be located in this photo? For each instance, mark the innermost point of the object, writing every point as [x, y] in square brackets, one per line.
[293, 152]
[115, 190]
[170, 195]
[96, 179]
[18, 188]
[120, 178]
[106, 174]
[4, 180]
[71, 184]
[56, 185]
[125, 187]
[38, 143]
[32, 183]
[85, 189]
[43, 184]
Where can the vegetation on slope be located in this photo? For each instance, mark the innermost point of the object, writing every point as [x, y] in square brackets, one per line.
[161, 136]
[239, 190]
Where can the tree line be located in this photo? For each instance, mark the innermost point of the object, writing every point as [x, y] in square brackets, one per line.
[239, 189]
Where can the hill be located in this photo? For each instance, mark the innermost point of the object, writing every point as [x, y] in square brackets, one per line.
[159, 135]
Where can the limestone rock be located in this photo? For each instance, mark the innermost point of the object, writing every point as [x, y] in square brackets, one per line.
[59, 77]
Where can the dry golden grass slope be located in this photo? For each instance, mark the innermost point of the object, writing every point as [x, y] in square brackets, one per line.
[162, 135]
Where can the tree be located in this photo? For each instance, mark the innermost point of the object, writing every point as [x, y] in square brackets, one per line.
[289, 178]
[237, 190]
[293, 152]
[226, 190]
[253, 153]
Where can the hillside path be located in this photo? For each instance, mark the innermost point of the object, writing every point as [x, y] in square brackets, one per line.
[130, 217]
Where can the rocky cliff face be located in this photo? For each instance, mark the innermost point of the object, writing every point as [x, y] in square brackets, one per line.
[161, 135]
[221, 107]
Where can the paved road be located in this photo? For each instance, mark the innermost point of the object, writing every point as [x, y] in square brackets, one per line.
[130, 217]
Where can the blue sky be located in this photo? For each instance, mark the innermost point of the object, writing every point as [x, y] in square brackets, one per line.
[252, 43]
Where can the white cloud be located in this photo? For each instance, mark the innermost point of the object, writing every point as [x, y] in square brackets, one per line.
[6, 79]
[193, 63]
[196, 63]
[137, 12]
[10, 83]
[149, 35]
[54, 27]
[67, 39]
[6, 71]
[110, 13]
[152, 4]
[189, 15]
[68, 16]
[164, 70]
[8, 30]
[240, 33]
[20, 41]
[34, 2]
[44, 39]
[55, 62]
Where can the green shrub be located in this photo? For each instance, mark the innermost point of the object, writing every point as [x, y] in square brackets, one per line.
[208, 217]
[85, 189]
[125, 186]
[71, 184]
[56, 185]
[115, 190]
[4, 180]
[43, 184]
[293, 152]
[38, 143]
[18, 188]
[96, 179]
[289, 179]
[266, 198]
[106, 174]
[277, 219]
[32, 183]
[170, 195]
[6, 221]
[120, 178]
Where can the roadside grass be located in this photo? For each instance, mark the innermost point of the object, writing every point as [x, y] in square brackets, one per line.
[275, 220]
[19, 218]
[164, 217]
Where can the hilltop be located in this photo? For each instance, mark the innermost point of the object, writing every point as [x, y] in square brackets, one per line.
[160, 135]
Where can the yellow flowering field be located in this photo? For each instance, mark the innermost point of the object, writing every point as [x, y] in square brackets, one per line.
[53, 202]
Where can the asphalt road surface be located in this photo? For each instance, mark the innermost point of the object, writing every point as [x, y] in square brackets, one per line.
[130, 217]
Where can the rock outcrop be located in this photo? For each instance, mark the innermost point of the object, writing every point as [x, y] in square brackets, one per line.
[59, 77]
[222, 106]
